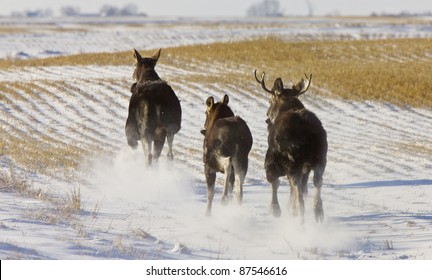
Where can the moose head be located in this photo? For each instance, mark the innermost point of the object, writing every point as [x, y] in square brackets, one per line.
[215, 111]
[283, 98]
[144, 66]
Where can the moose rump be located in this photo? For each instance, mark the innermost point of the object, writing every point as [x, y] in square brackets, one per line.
[227, 143]
[154, 114]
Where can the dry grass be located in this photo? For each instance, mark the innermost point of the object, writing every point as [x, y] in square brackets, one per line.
[10, 181]
[72, 202]
[395, 71]
[103, 58]
[13, 30]
[47, 154]
[61, 209]
[416, 149]
[42, 156]
[7, 92]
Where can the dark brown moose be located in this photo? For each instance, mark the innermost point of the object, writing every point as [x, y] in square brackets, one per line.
[154, 110]
[297, 144]
[227, 143]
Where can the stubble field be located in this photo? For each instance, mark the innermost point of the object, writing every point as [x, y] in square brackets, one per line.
[72, 189]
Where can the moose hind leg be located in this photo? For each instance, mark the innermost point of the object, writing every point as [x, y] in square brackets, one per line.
[274, 206]
[305, 177]
[159, 141]
[273, 173]
[318, 205]
[170, 140]
[228, 170]
[240, 170]
[210, 178]
[231, 181]
[146, 143]
[132, 133]
[297, 191]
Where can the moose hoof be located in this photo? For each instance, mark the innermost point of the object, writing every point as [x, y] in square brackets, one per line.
[275, 210]
[149, 160]
[208, 213]
[319, 212]
[225, 200]
[319, 215]
[170, 156]
[239, 200]
[133, 146]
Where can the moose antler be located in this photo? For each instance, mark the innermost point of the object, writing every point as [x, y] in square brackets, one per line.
[302, 84]
[262, 81]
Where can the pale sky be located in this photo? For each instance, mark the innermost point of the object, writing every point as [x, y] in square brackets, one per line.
[225, 7]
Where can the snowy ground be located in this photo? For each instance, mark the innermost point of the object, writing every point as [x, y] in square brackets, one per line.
[377, 185]
[63, 36]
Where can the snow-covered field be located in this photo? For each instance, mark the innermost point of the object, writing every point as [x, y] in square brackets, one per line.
[63, 36]
[377, 189]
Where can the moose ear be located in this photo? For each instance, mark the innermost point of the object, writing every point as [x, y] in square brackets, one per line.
[136, 55]
[303, 85]
[299, 87]
[156, 54]
[225, 99]
[278, 85]
[210, 102]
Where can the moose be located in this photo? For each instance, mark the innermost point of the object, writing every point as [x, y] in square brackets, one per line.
[297, 144]
[227, 142]
[154, 110]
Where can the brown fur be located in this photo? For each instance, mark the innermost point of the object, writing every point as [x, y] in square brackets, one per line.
[227, 143]
[297, 144]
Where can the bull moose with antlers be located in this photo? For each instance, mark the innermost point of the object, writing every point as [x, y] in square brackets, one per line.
[227, 142]
[297, 144]
[154, 109]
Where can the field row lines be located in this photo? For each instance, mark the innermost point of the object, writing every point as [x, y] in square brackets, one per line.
[87, 113]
